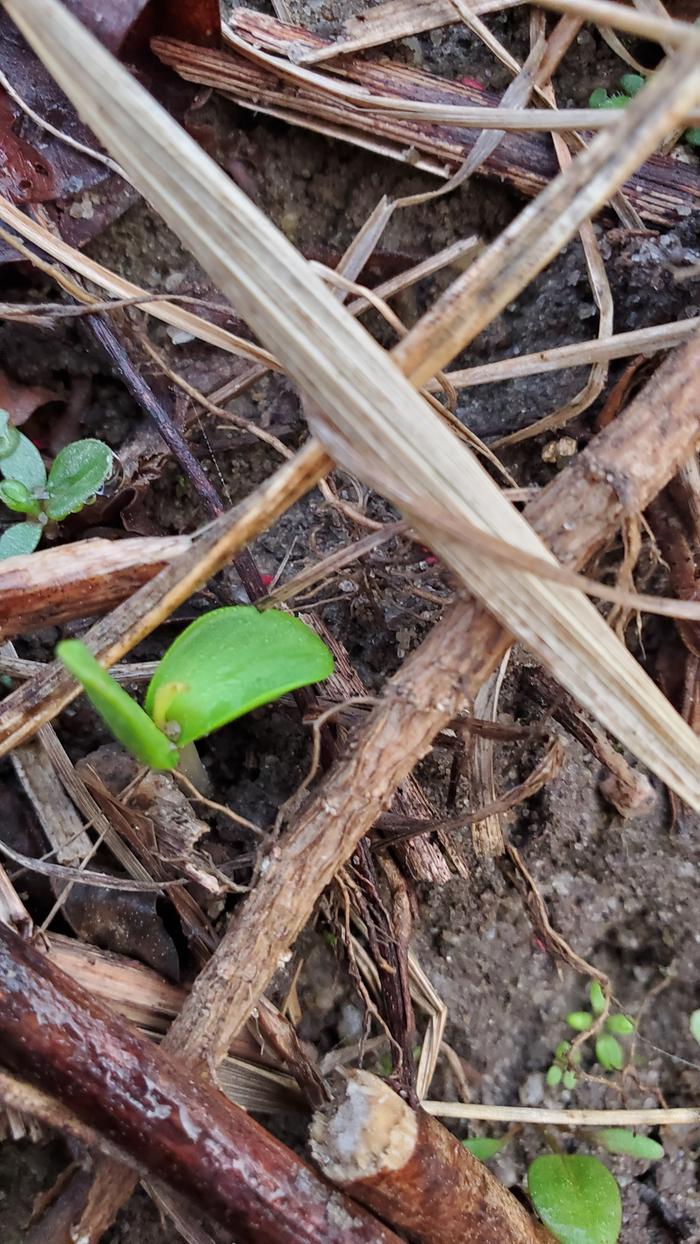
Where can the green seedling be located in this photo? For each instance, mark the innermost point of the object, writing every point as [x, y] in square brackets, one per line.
[78, 473]
[621, 1140]
[485, 1147]
[576, 1197]
[223, 665]
[608, 1051]
[631, 84]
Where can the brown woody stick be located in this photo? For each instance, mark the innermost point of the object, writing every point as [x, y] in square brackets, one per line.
[61, 1039]
[87, 577]
[412, 1172]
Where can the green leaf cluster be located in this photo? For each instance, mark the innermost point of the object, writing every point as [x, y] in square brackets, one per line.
[77, 474]
[223, 665]
[608, 1051]
[630, 85]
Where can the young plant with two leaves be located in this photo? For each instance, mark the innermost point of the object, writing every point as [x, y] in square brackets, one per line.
[223, 665]
[78, 473]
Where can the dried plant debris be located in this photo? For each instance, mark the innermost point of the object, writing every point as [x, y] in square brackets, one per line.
[413, 389]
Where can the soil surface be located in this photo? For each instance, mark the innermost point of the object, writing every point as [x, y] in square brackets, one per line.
[621, 893]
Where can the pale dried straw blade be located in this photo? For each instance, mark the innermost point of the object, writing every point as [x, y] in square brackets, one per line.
[381, 428]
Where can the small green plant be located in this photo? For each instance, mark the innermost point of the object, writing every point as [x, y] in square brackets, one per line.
[621, 1140]
[485, 1147]
[223, 665]
[78, 473]
[630, 85]
[576, 1197]
[608, 1050]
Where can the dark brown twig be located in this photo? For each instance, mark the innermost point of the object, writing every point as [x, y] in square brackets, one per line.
[137, 1098]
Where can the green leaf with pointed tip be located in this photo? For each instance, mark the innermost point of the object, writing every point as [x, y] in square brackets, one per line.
[18, 498]
[694, 1023]
[19, 539]
[125, 718]
[632, 83]
[576, 1197]
[484, 1147]
[231, 661]
[608, 1051]
[597, 997]
[19, 459]
[621, 1140]
[622, 1025]
[78, 473]
[598, 98]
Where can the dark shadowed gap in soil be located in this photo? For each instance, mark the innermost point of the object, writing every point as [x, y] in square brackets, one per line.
[622, 894]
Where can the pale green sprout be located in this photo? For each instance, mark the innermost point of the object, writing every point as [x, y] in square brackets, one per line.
[223, 665]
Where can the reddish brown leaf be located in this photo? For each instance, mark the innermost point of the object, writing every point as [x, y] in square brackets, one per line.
[21, 400]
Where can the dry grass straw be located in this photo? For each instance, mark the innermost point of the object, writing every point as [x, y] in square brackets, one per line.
[678, 1115]
[395, 20]
[616, 346]
[375, 422]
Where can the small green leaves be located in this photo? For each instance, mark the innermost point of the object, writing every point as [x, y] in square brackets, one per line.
[125, 718]
[554, 1076]
[692, 136]
[598, 98]
[231, 661]
[579, 1020]
[19, 459]
[632, 83]
[576, 1197]
[569, 1079]
[18, 498]
[19, 539]
[608, 1051]
[9, 436]
[484, 1147]
[621, 1025]
[597, 997]
[620, 1140]
[78, 473]
[694, 1024]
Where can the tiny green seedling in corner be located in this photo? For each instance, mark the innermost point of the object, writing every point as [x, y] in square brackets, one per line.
[223, 665]
[77, 474]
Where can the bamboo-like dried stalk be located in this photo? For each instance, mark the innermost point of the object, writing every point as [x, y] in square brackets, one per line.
[619, 345]
[396, 19]
[677, 1116]
[380, 426]
[412, 1171]
[660, 190]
